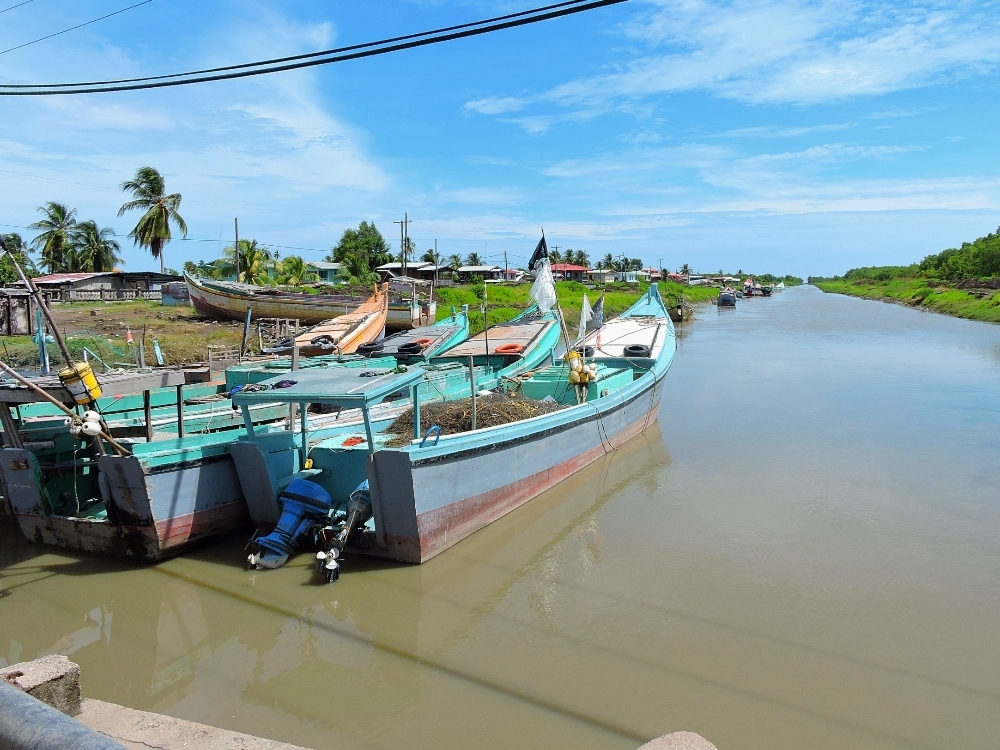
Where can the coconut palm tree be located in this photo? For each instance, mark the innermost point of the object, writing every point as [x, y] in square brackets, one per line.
[256, 263]
[153, 229]
[357, 270]
[455, 262]
[608, 262]
[55, 235]
[473, 259]
[95, 247]
[19, 250]
[295, 272]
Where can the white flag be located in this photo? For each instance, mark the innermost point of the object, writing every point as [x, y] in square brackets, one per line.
[585, 315]
[543, 291]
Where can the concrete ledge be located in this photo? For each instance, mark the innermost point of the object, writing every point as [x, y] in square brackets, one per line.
[142, 730]
[54, 680]
[679, 741]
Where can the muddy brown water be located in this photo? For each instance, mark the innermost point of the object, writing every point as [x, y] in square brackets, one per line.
[804, 553]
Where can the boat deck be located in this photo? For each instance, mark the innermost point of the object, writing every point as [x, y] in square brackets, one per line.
[617, 334]
[524, 333]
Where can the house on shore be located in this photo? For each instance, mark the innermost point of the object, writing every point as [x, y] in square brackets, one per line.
[107, 286]
[569, 272]
[487, 273]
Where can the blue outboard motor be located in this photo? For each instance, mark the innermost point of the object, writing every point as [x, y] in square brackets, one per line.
[304, 504]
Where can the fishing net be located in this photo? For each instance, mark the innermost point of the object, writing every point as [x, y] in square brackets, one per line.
[456, 416]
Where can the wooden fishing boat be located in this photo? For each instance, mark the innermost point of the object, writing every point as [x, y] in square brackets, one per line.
[229, 300]
[427, 496]
[345, 333]
[681, 312]
[726, 299]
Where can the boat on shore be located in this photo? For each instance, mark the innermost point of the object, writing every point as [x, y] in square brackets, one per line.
[726, 298]
[343, 334]
[229, 300]
[426, 496]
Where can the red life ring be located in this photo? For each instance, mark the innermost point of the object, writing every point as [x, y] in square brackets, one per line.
[509, 349]
[424, 343]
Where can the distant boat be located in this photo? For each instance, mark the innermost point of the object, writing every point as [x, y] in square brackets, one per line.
[681, 312]
[780, 286]
[727, 298]
[228, 300]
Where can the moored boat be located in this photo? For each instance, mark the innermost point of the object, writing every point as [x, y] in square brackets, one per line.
[681, 312]
[345, 333]
[426, 496]
[726, 298]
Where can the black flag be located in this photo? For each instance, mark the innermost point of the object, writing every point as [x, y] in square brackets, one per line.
[541, 251]
[597, 316]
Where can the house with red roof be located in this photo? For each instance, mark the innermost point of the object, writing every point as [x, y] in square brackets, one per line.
[569, 272]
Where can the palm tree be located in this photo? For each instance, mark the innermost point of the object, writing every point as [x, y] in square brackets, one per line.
[54, 239]
[473, 260]
[153, 229]
[455, 262]
[357, 270]
[686, 269]
[608, 261]
[19, 250]
[255, 265]
[555, 256]
[95, 247]
[429, 257]
[295, 272]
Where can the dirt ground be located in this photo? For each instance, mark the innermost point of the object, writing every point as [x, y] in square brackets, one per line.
[184, 336]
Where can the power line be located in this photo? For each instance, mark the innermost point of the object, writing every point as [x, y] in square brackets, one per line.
[72, 28]
[369, 49]
[16, 6]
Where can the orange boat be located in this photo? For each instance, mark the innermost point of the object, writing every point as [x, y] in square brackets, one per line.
[345, 333]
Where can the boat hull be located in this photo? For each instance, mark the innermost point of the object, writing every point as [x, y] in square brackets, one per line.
[426, 505]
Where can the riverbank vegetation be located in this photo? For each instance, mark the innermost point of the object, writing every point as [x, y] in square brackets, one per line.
[963, 281]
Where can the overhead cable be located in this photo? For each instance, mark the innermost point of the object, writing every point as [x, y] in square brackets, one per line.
[16, 6]
[72, 28]
[325, 57]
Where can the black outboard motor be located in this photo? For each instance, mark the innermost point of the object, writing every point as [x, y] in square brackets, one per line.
[304, 505]
[359, 510]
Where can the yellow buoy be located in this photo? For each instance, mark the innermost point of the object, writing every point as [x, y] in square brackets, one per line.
[81, 381]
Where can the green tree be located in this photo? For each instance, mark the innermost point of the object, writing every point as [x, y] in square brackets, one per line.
[578, 258]
[365, 242]
[429, 257]
[54, 240]
[407, 252]
[555, 256]
[473, 259]
[95, 247]
[608, 262]
[149, 195]
[357, 270]
[255, 264]
[16, 245]
[293, 271]
[455, 262]
[635, 264]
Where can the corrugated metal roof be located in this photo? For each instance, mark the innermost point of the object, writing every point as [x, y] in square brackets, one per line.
[568, 267]
[474, 269]
[60, 278]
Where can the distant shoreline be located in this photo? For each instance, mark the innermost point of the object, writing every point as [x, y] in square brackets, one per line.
[969, 302]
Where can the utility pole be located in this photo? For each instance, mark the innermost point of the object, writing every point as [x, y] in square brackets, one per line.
[437, 262]
[236, 247]
[661, 268]
[506, 271]
[404, 240]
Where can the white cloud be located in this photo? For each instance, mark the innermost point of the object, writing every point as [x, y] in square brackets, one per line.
[496, 105]
[796, 52]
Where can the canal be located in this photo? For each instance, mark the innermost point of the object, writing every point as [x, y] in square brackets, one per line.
[804, 553]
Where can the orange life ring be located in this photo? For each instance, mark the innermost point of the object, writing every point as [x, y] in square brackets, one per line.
[509, 349]
[423, 342]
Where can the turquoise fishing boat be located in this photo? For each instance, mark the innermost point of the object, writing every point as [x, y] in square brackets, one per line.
[412, 502]
[181, 487]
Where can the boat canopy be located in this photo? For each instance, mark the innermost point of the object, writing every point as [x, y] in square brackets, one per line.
[348, 388]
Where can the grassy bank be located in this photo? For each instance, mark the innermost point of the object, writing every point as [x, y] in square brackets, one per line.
[943, 297]
[505, 301]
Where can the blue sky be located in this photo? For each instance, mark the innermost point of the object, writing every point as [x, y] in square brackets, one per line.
[791, 137]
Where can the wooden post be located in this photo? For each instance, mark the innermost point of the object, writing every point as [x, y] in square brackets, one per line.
[416, 411]
[147, 414]
[12, 437]
[180, 410]
[472, 381]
